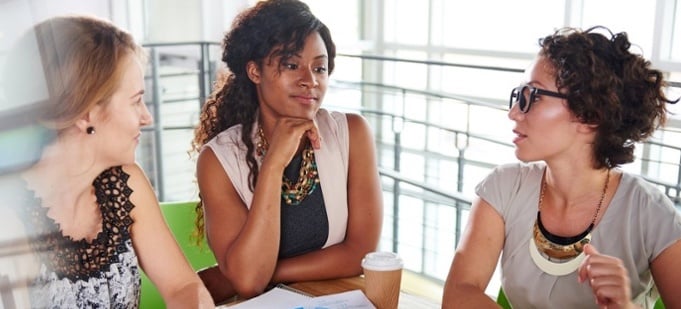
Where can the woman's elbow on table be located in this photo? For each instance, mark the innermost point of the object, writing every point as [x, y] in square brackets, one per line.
[248, 291]
[248, 286]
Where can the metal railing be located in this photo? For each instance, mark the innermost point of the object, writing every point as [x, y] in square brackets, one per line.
[671, 186]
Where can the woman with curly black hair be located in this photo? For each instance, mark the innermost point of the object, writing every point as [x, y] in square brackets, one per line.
[290, 191]
[575, 231]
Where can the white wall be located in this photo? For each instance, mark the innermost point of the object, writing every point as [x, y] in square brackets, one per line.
[194, 20]
[16, 16]
[218, 16]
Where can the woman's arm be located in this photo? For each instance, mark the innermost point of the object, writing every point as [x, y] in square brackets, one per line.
[246, 241]
[475, 259]
[158, 253]
[666, 273]
[247, 267]
[365, 217]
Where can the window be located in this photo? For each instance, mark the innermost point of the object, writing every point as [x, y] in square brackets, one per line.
[676, 34]
[513, 26]
[406, 22]
[636, 18]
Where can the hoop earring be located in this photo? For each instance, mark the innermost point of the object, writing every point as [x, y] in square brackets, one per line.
[90, 130]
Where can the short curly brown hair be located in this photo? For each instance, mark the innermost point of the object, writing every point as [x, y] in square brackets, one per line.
[607, 86]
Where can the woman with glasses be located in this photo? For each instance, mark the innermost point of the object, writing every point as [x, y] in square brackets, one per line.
[290, 190]
[575, 230]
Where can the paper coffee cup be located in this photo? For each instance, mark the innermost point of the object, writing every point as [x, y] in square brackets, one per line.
[382, 278]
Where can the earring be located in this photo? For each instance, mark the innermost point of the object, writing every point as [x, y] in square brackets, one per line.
[90, 130]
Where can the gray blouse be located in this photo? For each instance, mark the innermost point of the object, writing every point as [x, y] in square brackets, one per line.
[637, 226]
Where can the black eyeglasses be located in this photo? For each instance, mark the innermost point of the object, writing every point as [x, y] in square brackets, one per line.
[529, 95]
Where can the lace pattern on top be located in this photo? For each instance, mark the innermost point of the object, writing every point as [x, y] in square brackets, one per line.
[82, 259]
[119, 287]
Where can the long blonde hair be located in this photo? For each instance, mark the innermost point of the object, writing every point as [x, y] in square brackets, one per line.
[82, 65]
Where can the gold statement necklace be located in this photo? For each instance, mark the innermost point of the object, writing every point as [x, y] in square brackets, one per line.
[308, 177]
[556, 250]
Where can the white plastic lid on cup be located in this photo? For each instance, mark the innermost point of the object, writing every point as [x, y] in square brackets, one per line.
[382, 261]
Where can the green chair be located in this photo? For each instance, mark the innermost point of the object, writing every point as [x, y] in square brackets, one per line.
[502, 301]
[180, 218]
[659, 304]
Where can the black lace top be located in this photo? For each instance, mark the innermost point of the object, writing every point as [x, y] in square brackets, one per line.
[102, 272]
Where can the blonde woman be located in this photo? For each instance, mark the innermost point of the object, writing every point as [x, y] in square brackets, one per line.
[91, 215]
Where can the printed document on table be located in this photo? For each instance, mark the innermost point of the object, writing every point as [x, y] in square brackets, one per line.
[354, 299]
[286, 298]
[277, 297]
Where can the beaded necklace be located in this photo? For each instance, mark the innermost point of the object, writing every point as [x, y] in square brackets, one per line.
[308, 177]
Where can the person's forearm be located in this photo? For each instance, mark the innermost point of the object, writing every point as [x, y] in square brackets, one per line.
[252, 258]
[466, 296]
[336, 261]
[191, 295]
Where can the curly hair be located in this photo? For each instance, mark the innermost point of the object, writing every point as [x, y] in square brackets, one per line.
[607, 86]
[271, 30]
